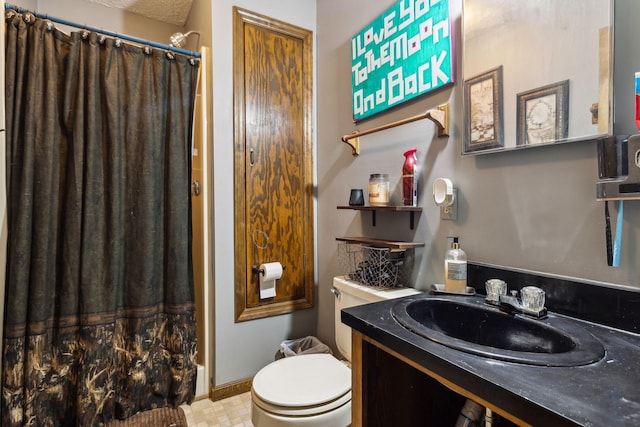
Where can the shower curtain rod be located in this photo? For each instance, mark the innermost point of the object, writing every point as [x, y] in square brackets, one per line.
[101, 31]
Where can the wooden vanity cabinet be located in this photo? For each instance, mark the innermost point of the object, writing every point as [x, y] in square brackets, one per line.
[390, 390]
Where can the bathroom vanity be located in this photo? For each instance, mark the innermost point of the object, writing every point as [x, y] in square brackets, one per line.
[403, 378]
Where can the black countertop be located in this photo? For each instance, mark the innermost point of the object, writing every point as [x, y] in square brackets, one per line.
[605, 393]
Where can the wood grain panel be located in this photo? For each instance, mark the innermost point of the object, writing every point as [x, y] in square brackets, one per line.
[274, 175]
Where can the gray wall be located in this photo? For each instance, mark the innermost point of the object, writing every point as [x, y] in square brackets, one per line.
[533, 209]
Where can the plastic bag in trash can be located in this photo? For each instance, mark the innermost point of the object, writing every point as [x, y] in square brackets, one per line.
[306, 345]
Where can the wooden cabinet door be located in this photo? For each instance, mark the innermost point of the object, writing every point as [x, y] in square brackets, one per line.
[273, 163]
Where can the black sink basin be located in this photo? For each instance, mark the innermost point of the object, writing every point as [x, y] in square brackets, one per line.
[473, 327]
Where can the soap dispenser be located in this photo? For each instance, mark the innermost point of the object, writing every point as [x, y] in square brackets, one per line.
[455, 269]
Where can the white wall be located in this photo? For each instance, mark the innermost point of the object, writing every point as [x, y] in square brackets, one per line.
[242, 348]
[532, 208]
[199, 20]
[27, 4]
[107, 18]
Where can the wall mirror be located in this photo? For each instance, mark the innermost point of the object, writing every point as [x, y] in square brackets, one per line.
[536, 72]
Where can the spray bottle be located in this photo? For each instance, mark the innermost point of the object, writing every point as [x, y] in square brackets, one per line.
[410, 179]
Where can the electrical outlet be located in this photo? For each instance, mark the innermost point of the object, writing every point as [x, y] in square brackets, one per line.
[450, 212]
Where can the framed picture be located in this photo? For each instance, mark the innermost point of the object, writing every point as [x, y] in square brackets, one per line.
[483, 111]
[543, 114]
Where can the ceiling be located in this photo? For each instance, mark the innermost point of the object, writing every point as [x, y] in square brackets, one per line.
[173, 12]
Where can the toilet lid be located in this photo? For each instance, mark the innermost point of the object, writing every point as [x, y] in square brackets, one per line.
[306, 380]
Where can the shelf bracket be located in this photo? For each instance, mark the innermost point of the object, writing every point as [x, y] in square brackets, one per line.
[411, 219]
[353, 142]
[438, 115]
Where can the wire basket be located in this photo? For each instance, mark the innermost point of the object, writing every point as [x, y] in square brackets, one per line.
[377, 267]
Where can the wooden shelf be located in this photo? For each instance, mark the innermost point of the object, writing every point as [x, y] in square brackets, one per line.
[384, 208]
[373, 209]
[379, 243]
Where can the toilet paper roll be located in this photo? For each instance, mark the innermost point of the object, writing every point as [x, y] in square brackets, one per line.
[270, 272]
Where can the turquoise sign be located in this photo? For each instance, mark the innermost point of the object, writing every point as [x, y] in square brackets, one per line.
[402, 54]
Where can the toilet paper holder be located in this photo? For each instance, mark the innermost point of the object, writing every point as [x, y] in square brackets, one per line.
[257, 270]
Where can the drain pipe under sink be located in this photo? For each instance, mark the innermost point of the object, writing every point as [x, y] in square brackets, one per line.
[488, 418]
[470, 414]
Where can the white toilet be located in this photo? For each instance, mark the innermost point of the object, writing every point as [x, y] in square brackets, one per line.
[314, 390]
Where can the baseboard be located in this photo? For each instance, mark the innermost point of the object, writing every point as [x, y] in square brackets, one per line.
[234, 388]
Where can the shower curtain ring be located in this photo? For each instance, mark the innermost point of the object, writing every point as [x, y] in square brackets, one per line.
[117, 42]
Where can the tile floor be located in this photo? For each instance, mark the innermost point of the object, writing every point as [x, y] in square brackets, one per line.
[234, 411]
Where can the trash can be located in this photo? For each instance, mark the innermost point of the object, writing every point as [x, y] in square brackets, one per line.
[298, 346]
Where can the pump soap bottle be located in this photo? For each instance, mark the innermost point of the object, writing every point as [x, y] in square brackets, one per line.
[410, 179]
[455, 269]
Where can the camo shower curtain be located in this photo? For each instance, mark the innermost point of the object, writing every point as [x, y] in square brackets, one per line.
[99, 305]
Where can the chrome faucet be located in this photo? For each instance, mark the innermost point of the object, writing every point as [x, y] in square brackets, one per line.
[510, 301]
[513, 304]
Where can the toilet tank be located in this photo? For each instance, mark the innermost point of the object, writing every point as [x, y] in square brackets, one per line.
[348, 294]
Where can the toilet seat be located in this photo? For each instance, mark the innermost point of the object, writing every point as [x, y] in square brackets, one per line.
[302, 386]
